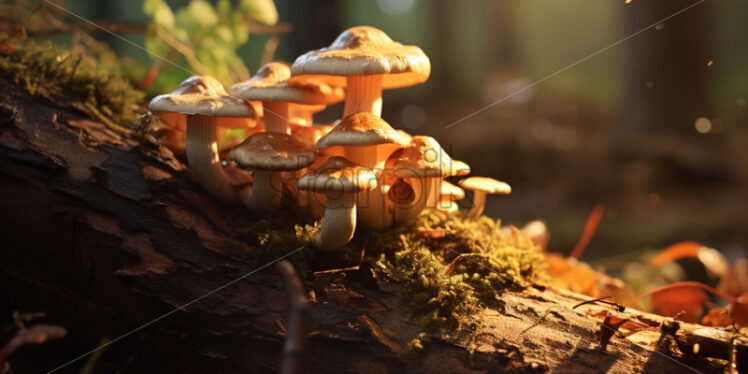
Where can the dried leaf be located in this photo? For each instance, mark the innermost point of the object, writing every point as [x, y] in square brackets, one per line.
[610, 325]
[717, 317]
[433, 234]
[739, 310]
[589, 230]
[670, 302]
[686, 249]
[572, 275]
[6, 48]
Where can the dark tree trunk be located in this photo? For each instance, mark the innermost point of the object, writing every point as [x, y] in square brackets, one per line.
[500, 22]
[665, 68]
[106, 234]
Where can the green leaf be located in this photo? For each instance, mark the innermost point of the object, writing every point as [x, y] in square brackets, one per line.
[160, 12]
[155, 45]
[260, 10]
[197, 18]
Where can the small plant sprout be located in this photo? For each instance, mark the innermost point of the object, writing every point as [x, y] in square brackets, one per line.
[268, 154]
[366, 140]
[340, 180]
[480, 187]
[206, 106]
[270, 85]
[364, 60]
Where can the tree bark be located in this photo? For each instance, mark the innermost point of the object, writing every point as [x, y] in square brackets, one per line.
[106, 234]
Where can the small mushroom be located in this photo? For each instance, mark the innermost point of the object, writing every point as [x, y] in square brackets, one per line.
[364, 60]
[310, 134]
[340, 180]
[459, 168]
[366, 140]
[268, 154]
[424, 164]
[270, 85]
[206, 106]
[312, 202]
[480, 187]
[448, 194]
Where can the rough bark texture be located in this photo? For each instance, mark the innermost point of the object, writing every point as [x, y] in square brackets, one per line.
[105, 234]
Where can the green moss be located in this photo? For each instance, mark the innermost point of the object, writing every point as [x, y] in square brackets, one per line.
[45, 70]
[276, 234]
[452, 266]
[416, 256]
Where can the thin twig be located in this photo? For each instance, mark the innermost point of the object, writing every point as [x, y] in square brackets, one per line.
[271, 45]
[619, 307]
[183, 49]
[279, 28]
[296, 350]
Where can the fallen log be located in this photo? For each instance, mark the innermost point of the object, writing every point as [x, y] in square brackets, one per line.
[111, 238]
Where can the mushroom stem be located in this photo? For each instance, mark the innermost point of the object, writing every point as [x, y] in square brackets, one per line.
[307, 116]
[340, 221]
[431, 192]
[244, 193]
[276, 117]
[479, 202]
[266, 190]
[201, 147]
[363, 94]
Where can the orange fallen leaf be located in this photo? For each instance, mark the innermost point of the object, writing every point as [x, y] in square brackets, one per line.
[589, 230]
[717, 317]
[739, 310]
[686, 249]
[670, 302]
[6, 48]
[572, 275]
[433, 234]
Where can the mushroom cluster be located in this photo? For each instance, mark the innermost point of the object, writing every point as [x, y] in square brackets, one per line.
[358, 171]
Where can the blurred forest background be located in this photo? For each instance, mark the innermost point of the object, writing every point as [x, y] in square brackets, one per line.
[654, 128]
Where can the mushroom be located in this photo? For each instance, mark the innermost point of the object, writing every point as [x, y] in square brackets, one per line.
[480, 187]
[269, 153]
[270, 85]
[448, 194]
[366, 140]
[303, 115]
[364, 60]
[340, 180]
[423, 163]
[311, 201]
[459, 168]
[206, 106]
[310, 134]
